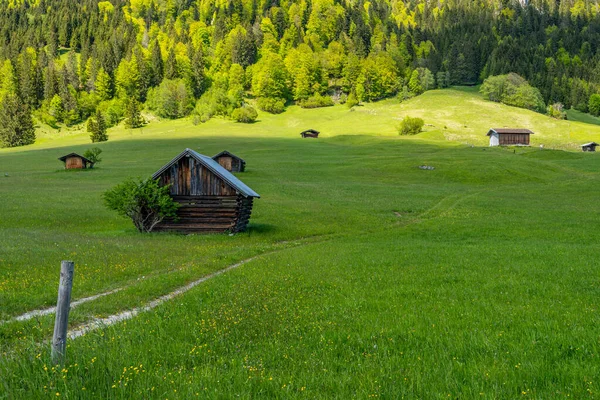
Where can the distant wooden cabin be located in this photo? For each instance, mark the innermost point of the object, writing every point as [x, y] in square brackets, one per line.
[509, 137]
[589, 146]
[310, 133]
[211, 198]
[230, 162]
[75, 161]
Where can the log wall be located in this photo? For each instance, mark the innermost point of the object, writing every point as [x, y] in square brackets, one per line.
[206, 214]
[207, 202]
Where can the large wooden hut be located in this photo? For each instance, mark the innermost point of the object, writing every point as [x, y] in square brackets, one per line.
[211, 198]
[509, 136]
[75, 161]
[230, 162]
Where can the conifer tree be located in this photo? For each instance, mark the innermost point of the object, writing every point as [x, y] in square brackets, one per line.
[171, 71]
[97, 128]
[16, 124]
[133, 115]
[156, 65]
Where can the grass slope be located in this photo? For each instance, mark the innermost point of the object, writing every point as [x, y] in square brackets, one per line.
[375, 278]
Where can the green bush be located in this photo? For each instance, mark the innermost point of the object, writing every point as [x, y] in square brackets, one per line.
[93, 155]
[271, 105]
[245, 114]
[556, 110]
[144, 201]
[171, 99]
[113, 111]
[594, 104]
[214, 102]
[316, 101]
[351, 101]
[513, 90]
[410, 126]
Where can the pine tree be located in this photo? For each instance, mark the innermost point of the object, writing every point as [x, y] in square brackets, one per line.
[103, 85]
[133, 115]
[156, 65]
[97, 128]
[16, 124]
[171, 71]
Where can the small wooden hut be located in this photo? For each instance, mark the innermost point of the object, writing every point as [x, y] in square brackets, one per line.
[211, 198]
[589, 146]
[310, 133]
[509, 136]
[230, 162]
[75, 161]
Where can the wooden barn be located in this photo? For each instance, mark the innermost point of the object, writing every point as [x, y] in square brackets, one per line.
[230, 162]
[310, 133]
[211, 198]
[589, 146]
[509, 136]
[75, 161]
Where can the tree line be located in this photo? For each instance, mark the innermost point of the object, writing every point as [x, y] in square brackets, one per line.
[66, 61]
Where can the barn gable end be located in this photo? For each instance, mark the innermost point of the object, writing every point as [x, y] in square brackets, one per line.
[211, 199]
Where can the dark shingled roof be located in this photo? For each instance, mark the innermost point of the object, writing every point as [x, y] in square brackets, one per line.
[64, 158]
[226, 153]
[509, 130]
[213, 166]
[589, 144]
[309, 131]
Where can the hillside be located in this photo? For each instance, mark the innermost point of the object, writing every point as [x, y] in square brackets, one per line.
[73, 61]
[361, 275]
[458, 115]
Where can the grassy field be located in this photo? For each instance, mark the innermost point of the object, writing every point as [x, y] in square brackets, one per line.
[371, 277]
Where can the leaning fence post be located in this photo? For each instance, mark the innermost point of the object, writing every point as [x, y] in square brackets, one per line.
[59, 339]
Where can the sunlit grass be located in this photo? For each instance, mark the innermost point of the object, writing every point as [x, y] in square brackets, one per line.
[374, 278]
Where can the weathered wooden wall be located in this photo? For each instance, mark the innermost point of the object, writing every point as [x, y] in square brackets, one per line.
[207, 202]
[508, 139]
[205, 214]
[189, 177]
[73, 163]
[231, 164]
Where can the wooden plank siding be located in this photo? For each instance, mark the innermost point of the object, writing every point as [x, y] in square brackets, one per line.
[508, 139]
[205, 214]
[74, 163]
[207, 203]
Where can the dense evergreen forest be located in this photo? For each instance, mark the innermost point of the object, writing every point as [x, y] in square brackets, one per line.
[67, 60]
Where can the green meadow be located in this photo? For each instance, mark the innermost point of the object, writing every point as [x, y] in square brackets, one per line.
[365, 276]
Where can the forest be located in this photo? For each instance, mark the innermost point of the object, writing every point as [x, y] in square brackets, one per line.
[65, 61]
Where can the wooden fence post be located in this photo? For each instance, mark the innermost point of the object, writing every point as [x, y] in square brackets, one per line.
[59, 339]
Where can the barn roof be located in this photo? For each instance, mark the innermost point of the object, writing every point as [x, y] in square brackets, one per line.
[64, 158]
[226, 153]
[310, 131]
[509, 130]
[215, 168]
[589, 144]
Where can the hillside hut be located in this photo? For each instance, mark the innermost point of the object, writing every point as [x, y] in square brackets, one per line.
[75, 161]
[589, 146]
[509, 136]
[230, 162]
[310, 133]
[211, 198]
